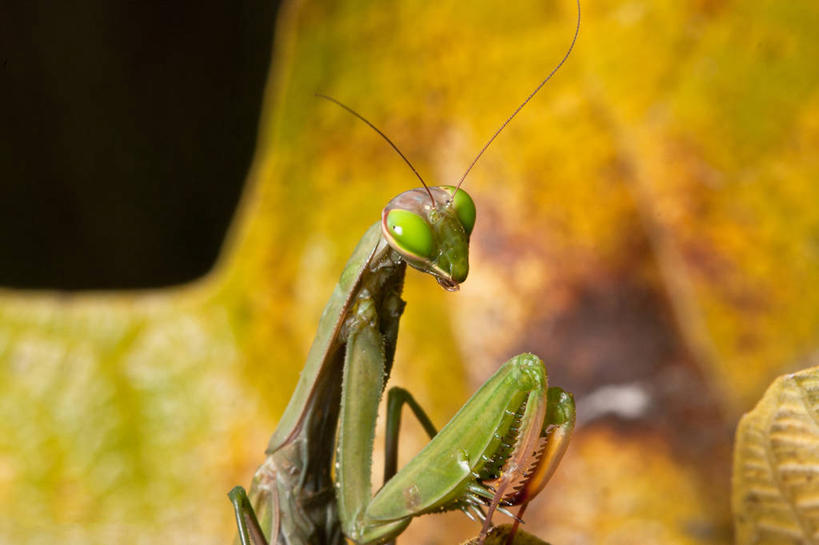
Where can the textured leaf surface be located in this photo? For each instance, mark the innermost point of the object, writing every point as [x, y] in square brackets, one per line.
[776, 465]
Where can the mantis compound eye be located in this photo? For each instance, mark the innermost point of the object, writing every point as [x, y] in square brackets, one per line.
[411, 232]
[464, 207]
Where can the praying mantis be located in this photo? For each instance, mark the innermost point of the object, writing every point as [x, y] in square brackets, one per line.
[499, 450]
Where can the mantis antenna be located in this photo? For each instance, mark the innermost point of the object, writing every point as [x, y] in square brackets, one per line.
[384, 136]
[491, 139]
[519, 108]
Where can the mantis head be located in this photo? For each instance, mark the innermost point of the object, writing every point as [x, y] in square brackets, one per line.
[430, 228]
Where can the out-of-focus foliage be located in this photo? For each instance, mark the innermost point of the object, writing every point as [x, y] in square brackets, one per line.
[776, 465]
[647, 225]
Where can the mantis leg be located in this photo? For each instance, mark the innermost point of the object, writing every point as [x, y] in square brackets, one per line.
[528, 477]
[498, 450]
[250, 533]
[396, 398]
[362, 386]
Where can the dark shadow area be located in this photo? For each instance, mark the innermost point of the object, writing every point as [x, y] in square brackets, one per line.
[126, 132]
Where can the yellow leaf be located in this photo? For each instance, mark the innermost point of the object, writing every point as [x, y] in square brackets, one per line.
[776, 465]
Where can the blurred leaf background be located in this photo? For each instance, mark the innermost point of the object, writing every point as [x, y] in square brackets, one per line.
[647, 225]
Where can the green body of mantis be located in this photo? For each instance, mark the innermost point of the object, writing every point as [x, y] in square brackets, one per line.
[314, 487]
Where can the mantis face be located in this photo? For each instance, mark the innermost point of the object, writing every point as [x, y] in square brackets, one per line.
[432, 237]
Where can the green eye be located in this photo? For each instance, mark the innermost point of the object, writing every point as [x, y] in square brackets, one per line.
[410, 231]
[464, 207]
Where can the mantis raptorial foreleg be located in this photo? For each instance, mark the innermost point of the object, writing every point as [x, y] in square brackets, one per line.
[498, 449]
[362, 385]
